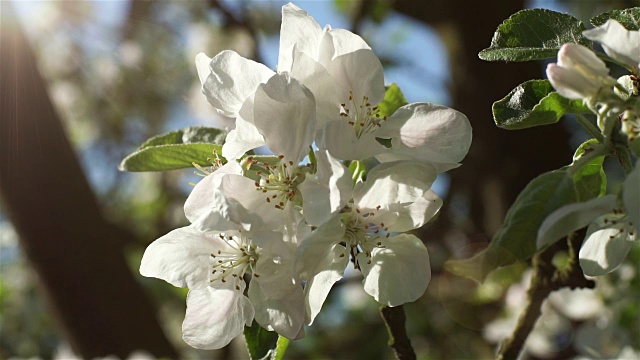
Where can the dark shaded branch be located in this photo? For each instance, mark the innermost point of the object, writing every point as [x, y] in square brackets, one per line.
[231, 20]
[546, 279]
[98, 303]
[359, 15]
[395, 318]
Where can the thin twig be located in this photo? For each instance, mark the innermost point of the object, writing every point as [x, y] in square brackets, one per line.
[359, 15]
[394, 318]
[591, 128]
[546, 279]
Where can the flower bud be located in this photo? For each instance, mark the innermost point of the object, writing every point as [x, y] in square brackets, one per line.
[579, 73]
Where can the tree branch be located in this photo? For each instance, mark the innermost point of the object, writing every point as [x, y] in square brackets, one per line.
[231, 20]
[394, 318]
[546, 279]
[359, 15]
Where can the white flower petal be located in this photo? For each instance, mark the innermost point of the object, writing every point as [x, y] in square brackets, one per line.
[245, 136]
[201, 197]
[582, 60]
[618, 42]
[327, 191]
[346, 42]
[202, 66]
[313, 75]
[603, 249]
[321, 261]
[233, 79]
[275, 265]
[285, 315]
[430, 133]
[572, 217]
[416, 214]
[181, 258]
[298, 29]
[215, 316]
[358, 73]
[315, 253]
[631, 196]
[340, 139]
[398, 273]
[571, 84]
[394, 183]
[317, 288]
[247, 206]
[285, 115]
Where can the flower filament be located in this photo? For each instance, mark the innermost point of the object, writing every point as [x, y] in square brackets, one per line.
[203, 171]
[362, 117]
[630, 124]
[238, 259]
[363, 234]
[278, 181]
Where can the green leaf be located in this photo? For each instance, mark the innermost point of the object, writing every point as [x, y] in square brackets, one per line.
[175, 150]
[533, 103]
[629, 18]
[516, 239]
[393, 99]
[261, 343]
[193, 134]
[533, 34]
[590, 181]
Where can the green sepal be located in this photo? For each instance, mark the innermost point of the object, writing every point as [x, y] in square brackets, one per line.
[358, 171]
[533, 103]
[629, 18]
[516, 238]
[533, 34]
[176, 150]
[393, 99]
[281, 348]
[261, 343]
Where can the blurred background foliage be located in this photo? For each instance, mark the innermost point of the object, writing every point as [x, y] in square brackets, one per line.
[121, 72]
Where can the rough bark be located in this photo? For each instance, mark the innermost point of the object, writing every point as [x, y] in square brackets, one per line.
[79, 262]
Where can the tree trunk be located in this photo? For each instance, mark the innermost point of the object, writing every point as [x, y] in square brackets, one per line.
[80, 263]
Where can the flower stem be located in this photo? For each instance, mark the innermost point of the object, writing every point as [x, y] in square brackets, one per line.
[597, 151]
[592, 129]
[394, 318]
[624, 156]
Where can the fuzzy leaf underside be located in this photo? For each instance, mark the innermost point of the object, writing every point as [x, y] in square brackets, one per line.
[533, 103]
[629, 18]
[175, 150]
[533, 34]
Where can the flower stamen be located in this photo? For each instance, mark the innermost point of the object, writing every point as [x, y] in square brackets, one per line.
[364, 118]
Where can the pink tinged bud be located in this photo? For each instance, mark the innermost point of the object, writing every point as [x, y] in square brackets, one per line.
[579, 73]
[570, 83]
[583, 60]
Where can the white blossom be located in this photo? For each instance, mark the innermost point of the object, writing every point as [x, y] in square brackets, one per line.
[611, 229]
[396, 197]
[619, 43]
[579, 73]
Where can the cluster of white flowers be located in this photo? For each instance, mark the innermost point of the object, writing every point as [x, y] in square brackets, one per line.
[613, 221]
[288, 230]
